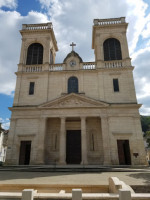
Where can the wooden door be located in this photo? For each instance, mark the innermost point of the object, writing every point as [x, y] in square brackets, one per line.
[124, 152]
[73, 147]
[25, 149]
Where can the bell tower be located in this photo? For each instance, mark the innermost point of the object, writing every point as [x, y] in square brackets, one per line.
[109, 42]
[38, 51]
[37, 34]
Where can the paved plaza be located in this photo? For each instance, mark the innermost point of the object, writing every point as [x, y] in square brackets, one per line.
[135, 177]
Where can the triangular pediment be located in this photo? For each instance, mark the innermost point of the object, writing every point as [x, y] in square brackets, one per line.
[73, 101]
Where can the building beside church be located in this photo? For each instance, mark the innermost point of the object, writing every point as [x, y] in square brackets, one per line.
[3, 144]
[75, 112]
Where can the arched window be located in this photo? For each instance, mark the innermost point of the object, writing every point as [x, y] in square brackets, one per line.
[112, 49]
[72, 85]
[34, 54]
[51, 57]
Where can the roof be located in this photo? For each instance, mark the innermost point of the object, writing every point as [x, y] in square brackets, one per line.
[74, 54]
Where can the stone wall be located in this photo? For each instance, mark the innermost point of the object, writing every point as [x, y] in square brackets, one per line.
[52, 141]
[95, 143]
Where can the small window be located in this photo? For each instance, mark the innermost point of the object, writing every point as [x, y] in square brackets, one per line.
[31, 88]
[116, 85]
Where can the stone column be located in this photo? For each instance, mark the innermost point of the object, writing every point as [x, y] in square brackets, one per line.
[12, 155]
[62, 145]
[84, 141]
[106, 142]
[41, 141]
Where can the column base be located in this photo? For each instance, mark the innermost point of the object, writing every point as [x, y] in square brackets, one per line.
[37, 163]
[84, 162]
[62, 163]
[107, 163]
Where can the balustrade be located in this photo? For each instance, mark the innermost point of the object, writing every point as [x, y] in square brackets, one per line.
[85, 66]
[89, 65]
[101, 22]
[56, 67]
[32, 68]
[113, 64]
[36, 26]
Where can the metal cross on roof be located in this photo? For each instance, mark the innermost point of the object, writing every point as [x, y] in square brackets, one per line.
[72, 45]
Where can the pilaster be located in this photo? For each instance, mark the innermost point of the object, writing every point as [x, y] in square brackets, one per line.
[62, 145]
[106, 142]
[10, 158]
[41, 141]
[84, 140]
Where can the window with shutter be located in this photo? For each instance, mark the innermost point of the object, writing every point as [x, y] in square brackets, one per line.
[112, 49]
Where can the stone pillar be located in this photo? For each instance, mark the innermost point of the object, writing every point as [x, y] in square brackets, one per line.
[76, 194]
[12, 155]
[124, 194]
[41, 141]
[106, 141]
[62, 145]
[27, 194]
[84, 141]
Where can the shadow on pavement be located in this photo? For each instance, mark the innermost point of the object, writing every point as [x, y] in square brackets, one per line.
[145, 176]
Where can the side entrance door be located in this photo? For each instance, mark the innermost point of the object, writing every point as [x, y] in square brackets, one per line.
[73, 147]
[124, 152]
[25, 149]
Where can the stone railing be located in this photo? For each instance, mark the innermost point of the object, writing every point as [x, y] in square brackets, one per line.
[74, 194]
[32, 68]
[109, 21]
[56, 67]
[83, 66]
[89, 65]
[36, 26]
[113, 64]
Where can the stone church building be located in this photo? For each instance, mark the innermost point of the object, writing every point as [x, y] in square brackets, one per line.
[75, 112]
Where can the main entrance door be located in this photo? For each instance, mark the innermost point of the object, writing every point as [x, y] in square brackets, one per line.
[73, 147]
[25, 149]
[124, 152]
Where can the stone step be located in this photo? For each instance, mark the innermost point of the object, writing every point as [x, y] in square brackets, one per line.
[74, 168]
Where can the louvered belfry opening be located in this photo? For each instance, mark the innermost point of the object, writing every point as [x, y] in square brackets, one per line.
[112, 49]
[35, 54]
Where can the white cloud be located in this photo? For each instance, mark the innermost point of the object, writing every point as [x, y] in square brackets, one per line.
[8, 3]
[5, 123]
[141, 60]
[10, 45]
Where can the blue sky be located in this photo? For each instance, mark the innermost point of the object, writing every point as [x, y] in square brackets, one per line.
[72, 21]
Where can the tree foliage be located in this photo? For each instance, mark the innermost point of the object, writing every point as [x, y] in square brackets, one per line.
[145, 122]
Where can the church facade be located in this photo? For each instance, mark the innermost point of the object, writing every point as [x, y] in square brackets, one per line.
[75, 112]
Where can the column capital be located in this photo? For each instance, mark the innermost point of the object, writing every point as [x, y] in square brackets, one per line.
[43, 118]
[104, 116]
[83, 117]
[63, 118]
